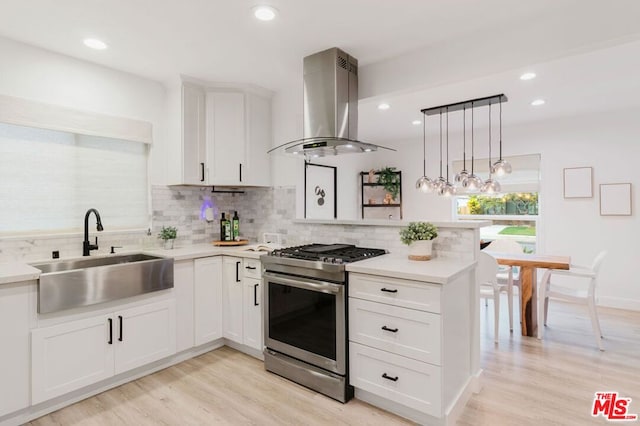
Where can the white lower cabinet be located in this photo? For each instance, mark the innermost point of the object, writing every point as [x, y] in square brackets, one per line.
[69, 356]
[252, 315]
[15, 317]
[208, 299]
[183, 288]
[409, 382]
[409, 343]
[232, 300]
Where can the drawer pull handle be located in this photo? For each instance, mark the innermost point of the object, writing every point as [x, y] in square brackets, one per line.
[250, 267]
[389, 290]
[393, 330]
[393, 379]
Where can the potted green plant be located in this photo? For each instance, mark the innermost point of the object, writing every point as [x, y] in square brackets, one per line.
[168, 234]
[389, 178]
[419, 237]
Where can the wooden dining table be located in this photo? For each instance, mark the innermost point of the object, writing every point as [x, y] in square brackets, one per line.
[528, 264]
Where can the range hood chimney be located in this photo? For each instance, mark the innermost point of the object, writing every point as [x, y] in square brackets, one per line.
[330, 107]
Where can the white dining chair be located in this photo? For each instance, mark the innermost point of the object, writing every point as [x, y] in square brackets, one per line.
[508, 274]
[582, 291]
[491, 289]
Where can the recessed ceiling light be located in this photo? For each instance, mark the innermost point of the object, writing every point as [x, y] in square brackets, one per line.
[538, 102]
[528, 76]
[367, 150]
[265, 13]
[384, 106]
[94, 43]
[416, 122]
[348, 145]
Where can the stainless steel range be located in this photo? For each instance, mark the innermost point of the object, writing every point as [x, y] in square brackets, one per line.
[305, 315]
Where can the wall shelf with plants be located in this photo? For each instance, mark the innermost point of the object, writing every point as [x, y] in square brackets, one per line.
[382, 190]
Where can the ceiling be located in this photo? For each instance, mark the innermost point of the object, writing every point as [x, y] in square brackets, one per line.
[220, 40]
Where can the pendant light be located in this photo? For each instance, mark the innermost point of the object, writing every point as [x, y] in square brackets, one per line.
[473, 183]
[424, 184]
[463, 175]
[501, 167]
[440, 182]
[448, 189]
[490, 186]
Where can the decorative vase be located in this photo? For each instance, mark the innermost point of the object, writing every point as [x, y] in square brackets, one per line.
[420, 250]
[168, 244]
[372, 176]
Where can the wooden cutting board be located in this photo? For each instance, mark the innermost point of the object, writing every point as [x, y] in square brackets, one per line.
[230, 243]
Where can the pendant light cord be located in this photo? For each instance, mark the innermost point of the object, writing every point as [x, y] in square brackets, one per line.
[447, 144]
[464, 137]
[424, 144]
[489, 139]
[500, 128]
[472, 140]
[440, 142]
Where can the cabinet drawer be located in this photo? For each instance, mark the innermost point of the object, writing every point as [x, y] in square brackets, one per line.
[406, 381]
[406, 332]
[252, 268]
[397, 292]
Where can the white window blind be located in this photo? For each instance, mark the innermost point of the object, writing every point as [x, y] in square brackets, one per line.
[525, 176]
[48, 180]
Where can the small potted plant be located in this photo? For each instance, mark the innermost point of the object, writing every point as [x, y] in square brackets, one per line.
[168, 234]
[390, 181]
[419, 237]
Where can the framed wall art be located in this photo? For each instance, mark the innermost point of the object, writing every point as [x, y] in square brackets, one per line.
[320, 191]
[578, 182]
[615, 199]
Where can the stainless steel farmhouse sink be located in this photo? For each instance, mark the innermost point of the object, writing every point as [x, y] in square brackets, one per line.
[81, 282]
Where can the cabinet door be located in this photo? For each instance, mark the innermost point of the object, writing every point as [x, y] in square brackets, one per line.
[183, 287]
[232, 300]
[193, 135]
[208, 299]
[259, 140]
[144, 334]
[70, 356]
[226, 138]
[14, 334]
[252, 316]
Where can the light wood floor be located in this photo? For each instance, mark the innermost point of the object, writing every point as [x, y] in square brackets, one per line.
[526, 382]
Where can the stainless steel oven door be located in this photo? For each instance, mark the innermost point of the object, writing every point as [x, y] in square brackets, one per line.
[305, 319]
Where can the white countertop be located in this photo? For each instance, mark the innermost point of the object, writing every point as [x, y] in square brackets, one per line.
[463, 224]
[206, 250]
[17, 272]
[439, 271]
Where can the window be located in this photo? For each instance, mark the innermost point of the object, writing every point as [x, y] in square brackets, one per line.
[514, 212]
[48, 180]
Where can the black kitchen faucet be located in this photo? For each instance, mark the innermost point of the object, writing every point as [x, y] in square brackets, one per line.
[86, 245]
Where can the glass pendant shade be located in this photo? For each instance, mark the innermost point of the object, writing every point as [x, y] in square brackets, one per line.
[461, 177]
[447, 190]
[425, 184]
[473, 183]
[439, 183]
[501, 168]
[491, 186]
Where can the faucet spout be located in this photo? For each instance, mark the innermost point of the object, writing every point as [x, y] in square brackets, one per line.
[86, 245]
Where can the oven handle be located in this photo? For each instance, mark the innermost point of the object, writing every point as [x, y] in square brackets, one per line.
[321, 286]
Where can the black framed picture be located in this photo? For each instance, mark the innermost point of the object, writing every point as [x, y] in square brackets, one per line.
[320, 191]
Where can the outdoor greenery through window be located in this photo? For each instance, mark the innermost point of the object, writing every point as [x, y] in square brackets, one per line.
[513, 213]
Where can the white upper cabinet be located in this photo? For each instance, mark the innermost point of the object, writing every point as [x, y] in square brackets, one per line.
[193, 135]
[226, 138]
[225, 133]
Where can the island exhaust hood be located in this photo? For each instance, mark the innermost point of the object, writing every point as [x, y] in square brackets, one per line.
[330, 108]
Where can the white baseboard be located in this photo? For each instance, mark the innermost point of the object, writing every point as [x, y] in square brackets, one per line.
[619, 303]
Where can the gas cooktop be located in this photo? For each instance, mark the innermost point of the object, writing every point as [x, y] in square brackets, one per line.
[329, 253]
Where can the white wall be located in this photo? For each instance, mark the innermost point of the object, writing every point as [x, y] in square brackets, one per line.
[40, 75]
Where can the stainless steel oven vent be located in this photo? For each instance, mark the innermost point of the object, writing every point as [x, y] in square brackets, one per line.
[330, 107]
